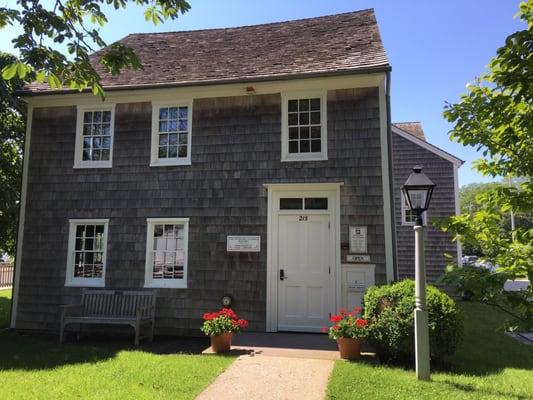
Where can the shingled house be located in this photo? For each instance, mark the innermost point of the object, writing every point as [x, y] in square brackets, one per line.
[252, 161]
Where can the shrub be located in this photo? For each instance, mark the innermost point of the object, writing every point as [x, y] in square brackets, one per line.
[389, 309]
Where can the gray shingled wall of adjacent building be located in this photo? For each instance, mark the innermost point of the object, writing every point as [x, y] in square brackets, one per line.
[405, 155]
[236, 148]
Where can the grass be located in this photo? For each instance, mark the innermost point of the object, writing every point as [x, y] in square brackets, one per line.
[32, 368]
[488, 365]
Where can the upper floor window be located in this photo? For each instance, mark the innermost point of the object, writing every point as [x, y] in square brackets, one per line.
[94, 137]
[171, 134]
[304, 132]
[166, 252]
[87, 248]
[409, 217]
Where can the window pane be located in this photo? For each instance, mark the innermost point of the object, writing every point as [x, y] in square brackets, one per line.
[96, 155]
[304, 133]
[183, 138]
[304, 118]
[293, 105]
[315, 104]
[163, 152]
[316, 146]
[97, 116]
[163, 126]
[293, 133]
[87, 117]
[315, 117]
[182, 125]
[173, 138]
[305, 146]
[106, 116]
[304, 105]
[173, 113]
[163, 113]
[315, 132]
[316, 203]
[182, 151]
[172, 151]
[87, 129]
[293, 119]
[290, 203]
[183, 113]
[293, 146]
[86, 155]
[89, 230]
[163, 139]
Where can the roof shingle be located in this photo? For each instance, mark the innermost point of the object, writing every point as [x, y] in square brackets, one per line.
[342, 43]
[414, 128]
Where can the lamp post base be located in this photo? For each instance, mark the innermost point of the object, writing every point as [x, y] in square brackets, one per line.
[422, 344]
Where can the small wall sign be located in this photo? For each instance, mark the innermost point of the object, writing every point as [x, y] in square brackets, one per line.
[358, 258]
[243, 244]
[358, 242]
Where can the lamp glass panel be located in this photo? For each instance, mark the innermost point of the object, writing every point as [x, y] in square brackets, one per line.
[418, 198]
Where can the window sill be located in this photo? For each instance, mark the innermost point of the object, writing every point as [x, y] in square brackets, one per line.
[166, 285]
[172, 163]
[296, 158]
[95, 283]
[89, 165]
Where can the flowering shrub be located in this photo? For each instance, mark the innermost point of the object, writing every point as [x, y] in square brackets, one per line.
[347, 325]
[219, 322]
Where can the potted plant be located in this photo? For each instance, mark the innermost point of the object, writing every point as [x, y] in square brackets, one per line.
[349, 331]
[220, 326]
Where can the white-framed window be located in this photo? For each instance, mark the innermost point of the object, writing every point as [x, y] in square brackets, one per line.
[166, 252]
[95, 127]
[87, 251]
[304, 126]
[409, 217]
[171, 133]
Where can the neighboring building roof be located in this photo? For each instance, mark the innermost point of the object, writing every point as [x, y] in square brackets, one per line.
[335, 44]
[414, 128]
[416, 135]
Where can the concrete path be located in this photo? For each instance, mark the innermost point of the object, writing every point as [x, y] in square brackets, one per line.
[260, 377]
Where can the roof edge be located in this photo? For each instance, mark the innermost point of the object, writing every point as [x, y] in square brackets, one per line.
[260, 78]
[428, 146]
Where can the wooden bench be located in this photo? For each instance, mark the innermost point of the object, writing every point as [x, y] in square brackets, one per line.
[116, 307]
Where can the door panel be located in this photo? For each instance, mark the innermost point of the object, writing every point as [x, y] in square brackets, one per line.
[304, 255]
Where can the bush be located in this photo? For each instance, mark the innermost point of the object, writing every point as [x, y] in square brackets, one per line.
[389, 309]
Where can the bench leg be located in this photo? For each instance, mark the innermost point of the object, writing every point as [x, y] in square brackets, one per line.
[137, 329]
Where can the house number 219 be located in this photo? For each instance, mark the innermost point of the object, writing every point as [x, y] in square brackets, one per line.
[302, 218]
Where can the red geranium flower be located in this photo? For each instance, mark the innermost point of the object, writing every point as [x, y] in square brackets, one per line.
[357, 310]
[335, 318]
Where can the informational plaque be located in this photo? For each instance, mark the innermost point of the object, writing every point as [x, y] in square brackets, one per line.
[244, 244]
[358, 258]
[358, 243]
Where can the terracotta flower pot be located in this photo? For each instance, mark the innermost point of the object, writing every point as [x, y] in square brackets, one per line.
[221, 343]
[350, 349]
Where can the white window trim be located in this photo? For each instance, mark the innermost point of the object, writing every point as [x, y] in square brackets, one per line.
[285, 155]
[149, 282]
[78, 159]
[404, 209]
[155, 161]
[84, 282]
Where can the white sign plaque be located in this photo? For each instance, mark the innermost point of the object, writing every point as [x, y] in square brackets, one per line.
[244, 244]
[357, 258]
[358, 243]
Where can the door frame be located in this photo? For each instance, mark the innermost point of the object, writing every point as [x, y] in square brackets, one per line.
[274, 191]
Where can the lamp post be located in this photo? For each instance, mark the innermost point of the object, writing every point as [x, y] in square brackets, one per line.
[417, 191]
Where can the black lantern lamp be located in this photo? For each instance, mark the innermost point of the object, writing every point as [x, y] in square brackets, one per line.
[417, 191]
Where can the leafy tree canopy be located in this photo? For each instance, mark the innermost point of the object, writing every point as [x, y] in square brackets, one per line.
[75, 23]
[11, 140]
[495, 116]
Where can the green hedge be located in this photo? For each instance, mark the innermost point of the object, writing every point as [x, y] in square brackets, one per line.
[389, 308]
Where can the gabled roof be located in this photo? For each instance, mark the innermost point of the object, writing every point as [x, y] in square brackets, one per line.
[414, 128]
[335, 44]
[415, 138]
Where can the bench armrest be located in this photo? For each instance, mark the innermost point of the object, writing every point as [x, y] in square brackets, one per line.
[142, 310]
[66, 309]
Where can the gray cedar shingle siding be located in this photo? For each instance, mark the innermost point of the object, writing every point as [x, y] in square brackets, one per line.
[236, 148]
[405, 155]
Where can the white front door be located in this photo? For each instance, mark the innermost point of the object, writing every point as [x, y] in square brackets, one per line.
[304, 270]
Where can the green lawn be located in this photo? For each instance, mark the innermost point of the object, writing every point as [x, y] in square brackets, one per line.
[489, 365]
[5, 304]
[31, 368]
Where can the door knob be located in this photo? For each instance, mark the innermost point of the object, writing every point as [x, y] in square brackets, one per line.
[282, 275]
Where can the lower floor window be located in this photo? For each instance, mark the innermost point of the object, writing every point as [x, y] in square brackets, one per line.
[166, 253]
[87, 252]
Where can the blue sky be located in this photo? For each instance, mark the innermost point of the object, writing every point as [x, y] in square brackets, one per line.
[435, 47]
